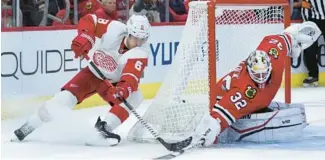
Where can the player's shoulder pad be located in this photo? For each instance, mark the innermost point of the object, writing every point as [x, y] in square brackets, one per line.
[117, 27]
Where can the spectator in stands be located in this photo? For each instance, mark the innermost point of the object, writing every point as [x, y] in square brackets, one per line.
[107, 10]
[147, 8]
[87, 7]
[31, 14]
[84, 7]
[6, 14]
[122, 7]
[153, 9]
[177, 6]
[162, 11]
[33, 11]
[296, 11]
[177, 10]
[54, 7]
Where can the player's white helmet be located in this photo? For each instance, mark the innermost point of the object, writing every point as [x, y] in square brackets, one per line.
[138, 26]
[259, 67]
[302, 36]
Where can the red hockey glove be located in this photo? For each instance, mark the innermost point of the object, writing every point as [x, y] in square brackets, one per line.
[121, 91]
[81, 44]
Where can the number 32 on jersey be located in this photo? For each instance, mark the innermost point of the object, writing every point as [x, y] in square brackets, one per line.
[237, 98]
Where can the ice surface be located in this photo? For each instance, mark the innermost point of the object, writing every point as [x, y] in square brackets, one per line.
[64, 138]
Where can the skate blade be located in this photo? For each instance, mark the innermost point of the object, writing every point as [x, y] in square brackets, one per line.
[102, 142]
[14, 139]
[308, 85]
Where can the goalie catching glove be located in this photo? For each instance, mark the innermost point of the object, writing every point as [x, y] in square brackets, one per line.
[303, 36]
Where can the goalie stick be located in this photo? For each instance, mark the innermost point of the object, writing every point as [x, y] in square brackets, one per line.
[176, 147]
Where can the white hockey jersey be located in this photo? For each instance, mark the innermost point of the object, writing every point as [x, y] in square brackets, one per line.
[110, 55]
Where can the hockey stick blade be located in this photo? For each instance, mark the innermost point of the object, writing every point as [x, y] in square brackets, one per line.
[171, 155]
[108, 142]
[181, 151]
[100, 145]
[176, 146]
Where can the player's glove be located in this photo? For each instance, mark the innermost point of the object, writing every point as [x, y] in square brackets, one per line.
[118, 93]
[82, 43]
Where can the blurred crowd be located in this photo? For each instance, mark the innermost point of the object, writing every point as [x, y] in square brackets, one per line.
[68, 12]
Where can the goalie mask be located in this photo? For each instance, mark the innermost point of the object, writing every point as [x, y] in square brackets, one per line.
[259, 67]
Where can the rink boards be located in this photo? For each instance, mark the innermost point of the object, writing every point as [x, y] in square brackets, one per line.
[35, 64]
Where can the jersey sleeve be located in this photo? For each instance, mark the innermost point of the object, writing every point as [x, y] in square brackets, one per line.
[277, 46]
[93, 25]
[136, 61]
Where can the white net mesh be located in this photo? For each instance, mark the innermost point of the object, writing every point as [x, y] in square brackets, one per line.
[184, 94]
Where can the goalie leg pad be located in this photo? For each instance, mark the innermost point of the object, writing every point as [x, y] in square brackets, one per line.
[284, 123]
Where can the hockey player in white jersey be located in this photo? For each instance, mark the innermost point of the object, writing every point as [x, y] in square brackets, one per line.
[121, 56]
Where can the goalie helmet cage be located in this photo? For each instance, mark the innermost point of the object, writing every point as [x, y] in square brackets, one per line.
[216, 37]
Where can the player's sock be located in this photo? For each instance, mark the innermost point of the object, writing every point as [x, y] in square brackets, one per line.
[116, 116]
[105, 131]
[60, 103]
[32, 123]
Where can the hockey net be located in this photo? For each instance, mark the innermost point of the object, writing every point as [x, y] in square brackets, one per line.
[206, 52]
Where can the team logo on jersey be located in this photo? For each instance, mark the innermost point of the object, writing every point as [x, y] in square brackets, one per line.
[89, 5]
[274, 52]
[250, 92]
[104, 61]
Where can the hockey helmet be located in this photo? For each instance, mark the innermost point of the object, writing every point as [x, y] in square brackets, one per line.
[259, 67]
[138, 26]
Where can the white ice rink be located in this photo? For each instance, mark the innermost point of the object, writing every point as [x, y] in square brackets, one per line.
[64, 137]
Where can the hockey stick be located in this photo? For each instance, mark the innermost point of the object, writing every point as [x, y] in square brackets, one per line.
[175, 154]
[176, 147]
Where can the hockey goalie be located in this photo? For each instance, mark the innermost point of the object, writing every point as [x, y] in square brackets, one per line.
[244, 107]
[121, 56]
